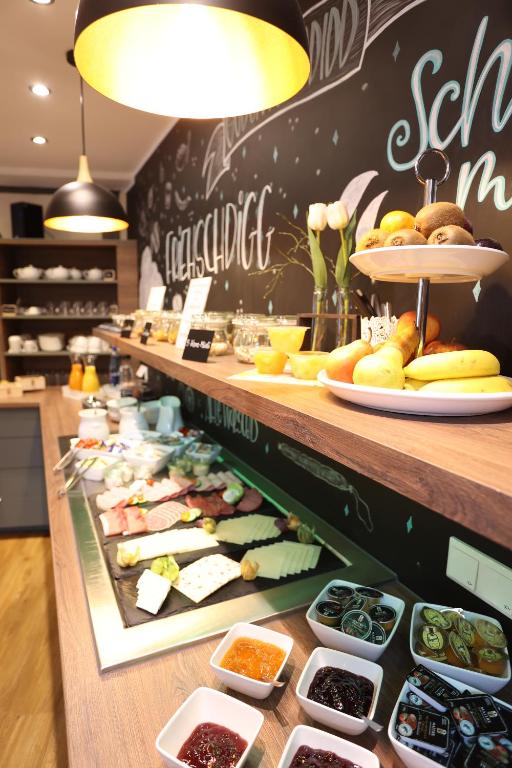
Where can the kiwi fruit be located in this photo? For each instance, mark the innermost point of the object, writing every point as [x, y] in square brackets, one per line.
[437, 215]
[451, 235]
[373, 239]
[405, 237]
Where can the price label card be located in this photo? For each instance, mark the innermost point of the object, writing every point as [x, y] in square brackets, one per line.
[156, 298]
[198, 345]
[195, 303]
[146, 333]
[127, 328]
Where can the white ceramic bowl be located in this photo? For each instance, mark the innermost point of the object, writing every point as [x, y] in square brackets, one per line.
[208, 706]
[304, 735]
[486, 683]
[408, 755]
[51, 342]
[326, 657]
[254, 688]
[334, 638]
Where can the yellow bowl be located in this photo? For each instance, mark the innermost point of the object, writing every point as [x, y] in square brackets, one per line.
[286, 338]
[307, 365]
[269, 361]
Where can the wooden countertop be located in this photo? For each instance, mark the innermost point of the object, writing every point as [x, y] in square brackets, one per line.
[457, 467]
[113, 719]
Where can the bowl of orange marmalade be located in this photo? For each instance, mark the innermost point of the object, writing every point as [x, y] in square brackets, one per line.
[250, 659]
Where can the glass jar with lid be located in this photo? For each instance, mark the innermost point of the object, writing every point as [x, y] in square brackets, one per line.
[251, 333]
[214, 321]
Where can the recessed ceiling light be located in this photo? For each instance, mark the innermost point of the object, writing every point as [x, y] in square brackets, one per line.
[39, 89]
[43, 2]
[39, 140]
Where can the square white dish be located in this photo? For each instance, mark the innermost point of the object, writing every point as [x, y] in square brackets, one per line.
[139, 456]
[326, 657]
[486, 683]
[304, 735]
[408, 755]
[87, 453]
[340, 641]
[207, 706]
[254, 688]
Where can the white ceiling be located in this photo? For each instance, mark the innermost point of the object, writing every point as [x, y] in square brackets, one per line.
[33, 43]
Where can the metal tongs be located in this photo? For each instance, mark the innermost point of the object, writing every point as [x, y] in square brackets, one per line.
[77, 475]
[66, 460]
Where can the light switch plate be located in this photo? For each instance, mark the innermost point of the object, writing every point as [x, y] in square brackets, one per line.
[485, 577]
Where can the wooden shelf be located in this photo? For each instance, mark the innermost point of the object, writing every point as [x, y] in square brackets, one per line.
[458, 467]
[62, 353]
[55, 317]
[41, 281]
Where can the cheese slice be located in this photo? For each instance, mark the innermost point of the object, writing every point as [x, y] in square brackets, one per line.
[277, 561]
[172, 542]
[243, 530]
[205, 576]
[152, 589]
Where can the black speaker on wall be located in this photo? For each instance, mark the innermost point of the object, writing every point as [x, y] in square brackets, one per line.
[27, 220]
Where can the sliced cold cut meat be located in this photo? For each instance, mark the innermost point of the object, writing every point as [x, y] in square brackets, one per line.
[251, 501]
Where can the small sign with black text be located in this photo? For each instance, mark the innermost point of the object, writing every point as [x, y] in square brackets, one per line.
[197, 346]
[127, 328]
[146, 333]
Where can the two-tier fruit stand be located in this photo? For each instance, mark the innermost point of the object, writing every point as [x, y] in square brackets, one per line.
[425, 264]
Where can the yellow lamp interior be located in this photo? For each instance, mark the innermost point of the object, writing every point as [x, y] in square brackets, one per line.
[191, 60]
[85, 224]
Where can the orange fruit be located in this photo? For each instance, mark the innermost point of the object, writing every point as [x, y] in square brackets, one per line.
[395, 220]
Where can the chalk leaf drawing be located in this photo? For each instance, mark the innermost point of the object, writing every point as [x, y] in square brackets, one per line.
[331, 477]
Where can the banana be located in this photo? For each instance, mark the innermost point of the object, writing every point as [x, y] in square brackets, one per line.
[475, 384]
[461, 364]
[413, 384]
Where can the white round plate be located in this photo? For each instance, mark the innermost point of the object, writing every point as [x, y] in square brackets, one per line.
[414, 402]
[440, 263]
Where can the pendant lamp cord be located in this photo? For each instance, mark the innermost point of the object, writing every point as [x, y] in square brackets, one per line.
[82, 112]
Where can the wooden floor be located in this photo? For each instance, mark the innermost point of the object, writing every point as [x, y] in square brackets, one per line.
[32, 725]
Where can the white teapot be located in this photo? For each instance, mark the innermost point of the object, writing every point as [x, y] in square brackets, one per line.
[27, 273]
[93, 274]
[57, 273]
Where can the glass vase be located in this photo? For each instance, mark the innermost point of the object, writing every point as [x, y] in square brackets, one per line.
[346, 304]
[319, 324]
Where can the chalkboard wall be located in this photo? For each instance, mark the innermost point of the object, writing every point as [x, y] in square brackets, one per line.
[389, 78]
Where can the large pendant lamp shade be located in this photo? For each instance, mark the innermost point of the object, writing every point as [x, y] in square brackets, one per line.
[82, 206]
[202, 59]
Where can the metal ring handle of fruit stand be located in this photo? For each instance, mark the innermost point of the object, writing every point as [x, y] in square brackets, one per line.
[429, 196]
[431, 184]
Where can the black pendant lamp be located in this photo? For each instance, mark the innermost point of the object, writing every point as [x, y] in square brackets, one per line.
[197, 59]
[83, 206]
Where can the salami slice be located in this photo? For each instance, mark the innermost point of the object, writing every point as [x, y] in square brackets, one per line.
[251, 501]
[210, 506]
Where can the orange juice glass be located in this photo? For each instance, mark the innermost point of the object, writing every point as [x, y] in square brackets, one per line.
[76, 376]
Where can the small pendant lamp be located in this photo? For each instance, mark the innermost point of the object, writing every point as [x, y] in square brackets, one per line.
[195, 59]
[83, 206]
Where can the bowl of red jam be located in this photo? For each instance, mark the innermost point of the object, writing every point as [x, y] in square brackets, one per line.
[209, 721]
[337, 689]
[310, 746]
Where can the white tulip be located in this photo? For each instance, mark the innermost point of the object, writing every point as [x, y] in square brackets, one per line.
[317, 217]
[337, 215]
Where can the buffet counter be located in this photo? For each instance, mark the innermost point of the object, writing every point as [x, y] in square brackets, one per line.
[113, 718]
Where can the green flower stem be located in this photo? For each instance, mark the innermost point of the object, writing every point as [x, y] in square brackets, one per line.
[317, 260]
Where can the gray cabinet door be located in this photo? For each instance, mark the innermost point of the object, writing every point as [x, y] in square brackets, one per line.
[23, 499]
[22, 484]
